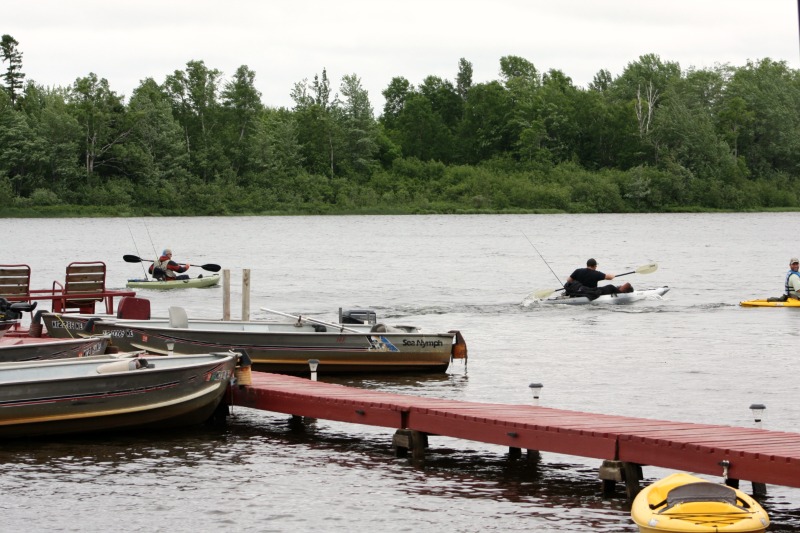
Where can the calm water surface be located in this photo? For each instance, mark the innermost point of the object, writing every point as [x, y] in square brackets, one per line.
[695, 356]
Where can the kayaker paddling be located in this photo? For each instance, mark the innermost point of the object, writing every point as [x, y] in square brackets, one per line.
[583, 282]
[165, 269]
[792, 285]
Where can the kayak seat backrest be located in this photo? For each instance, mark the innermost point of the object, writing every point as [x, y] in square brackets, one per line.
[701, 492]
[15, 282]
[178, 318]
[132, 308]
[84, 285]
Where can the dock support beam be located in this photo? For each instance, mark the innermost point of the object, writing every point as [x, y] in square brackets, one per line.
[408, 439]
[612, 472]
[759, 489]
[532, 456]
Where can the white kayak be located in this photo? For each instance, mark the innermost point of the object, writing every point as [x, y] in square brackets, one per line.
[607, 299]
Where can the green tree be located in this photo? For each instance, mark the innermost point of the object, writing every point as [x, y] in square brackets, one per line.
[156, 153]
[195, 104]
[278, 154]
[241, 102]
[16, 140]
[445, 100]
[359, 126]
[769, 97]
[421, 132]
[55, 157]
[463, 78]
[395, 96]
[485, 128]
[13, 75]
[101, 115]
[319, 125]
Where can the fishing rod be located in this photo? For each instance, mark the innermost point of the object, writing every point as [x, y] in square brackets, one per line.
[137, 248]
[543, 259]
[155, 253]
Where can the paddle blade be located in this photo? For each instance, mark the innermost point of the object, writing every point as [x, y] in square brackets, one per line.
[131, 259]
[542, 294]
[211, 267]
[647, 269]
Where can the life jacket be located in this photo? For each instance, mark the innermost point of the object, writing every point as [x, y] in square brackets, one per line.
[576, 289]
[787, 286]
[161, 268]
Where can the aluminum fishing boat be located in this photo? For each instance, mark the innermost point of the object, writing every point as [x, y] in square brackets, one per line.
[283, 347]
[38, 348]
[102, 393]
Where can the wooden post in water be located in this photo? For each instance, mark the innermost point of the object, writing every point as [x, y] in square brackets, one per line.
[245, 294]
[405, 440]
[226, 294]
[612, 472]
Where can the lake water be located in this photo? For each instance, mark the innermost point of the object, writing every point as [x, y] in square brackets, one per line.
[695, 356]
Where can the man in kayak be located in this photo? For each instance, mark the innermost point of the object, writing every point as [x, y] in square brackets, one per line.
[583, 282]
[792, 284]
[165, 269]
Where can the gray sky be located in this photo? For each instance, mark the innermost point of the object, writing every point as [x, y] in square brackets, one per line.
[287, 41]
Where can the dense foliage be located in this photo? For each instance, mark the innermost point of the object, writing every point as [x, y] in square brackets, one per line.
[654, 138]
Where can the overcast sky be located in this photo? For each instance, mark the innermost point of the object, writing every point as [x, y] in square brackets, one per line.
[287, 41]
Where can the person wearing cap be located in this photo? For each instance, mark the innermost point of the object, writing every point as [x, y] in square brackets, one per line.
[165, 269]
[583, 282]
[792, 284]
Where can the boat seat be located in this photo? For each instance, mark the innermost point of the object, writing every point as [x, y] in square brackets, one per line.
[698, 492]
[15, 283]
[178, 318]
[83, 279]
[133, 308]
[383, 328]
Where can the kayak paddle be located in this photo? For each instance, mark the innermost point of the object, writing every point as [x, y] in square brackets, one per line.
[211, 267]
[644, 269]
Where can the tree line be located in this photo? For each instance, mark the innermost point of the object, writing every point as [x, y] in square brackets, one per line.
[654, 138]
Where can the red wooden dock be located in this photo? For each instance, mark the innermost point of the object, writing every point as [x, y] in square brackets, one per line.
[756, 455]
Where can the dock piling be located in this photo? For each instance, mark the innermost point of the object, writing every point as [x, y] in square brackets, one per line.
[612, 472]
[408, 439]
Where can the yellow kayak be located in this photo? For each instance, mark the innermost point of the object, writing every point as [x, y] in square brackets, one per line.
[770, 303]
[685, 503]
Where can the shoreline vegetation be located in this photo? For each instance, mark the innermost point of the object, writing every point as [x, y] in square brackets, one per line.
[654, 139]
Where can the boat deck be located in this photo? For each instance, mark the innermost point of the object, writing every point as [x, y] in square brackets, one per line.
[756, 455]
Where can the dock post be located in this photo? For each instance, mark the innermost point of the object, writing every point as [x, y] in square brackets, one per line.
[245, 294]
[612, 472]
[759, 489]
[408, 439]
[226, 294]
[514, 452]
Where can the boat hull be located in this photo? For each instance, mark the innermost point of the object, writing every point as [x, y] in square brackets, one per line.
[682, 503]
[766, 303]
[6, 325]
[282, 347]
[607, 299]
[192, 283]
[37, 348]
[72, 396]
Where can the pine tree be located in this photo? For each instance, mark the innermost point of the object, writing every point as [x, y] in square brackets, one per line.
[13, 75]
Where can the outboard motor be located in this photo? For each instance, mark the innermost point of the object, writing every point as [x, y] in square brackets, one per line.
[357, 316]
[13, 311]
